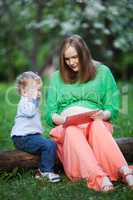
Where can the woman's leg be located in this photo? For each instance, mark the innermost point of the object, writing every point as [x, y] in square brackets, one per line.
[77, 156]
[57, 134]
[127, 175]
[105, 149]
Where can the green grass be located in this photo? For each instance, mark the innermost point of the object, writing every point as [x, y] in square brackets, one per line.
[23, 186]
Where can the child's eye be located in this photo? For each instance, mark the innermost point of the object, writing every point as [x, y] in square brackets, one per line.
[66, 59]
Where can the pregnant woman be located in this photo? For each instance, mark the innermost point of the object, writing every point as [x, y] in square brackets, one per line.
[87, 151]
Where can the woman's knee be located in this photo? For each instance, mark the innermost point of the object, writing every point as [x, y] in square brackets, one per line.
[73, 132]
[98, 123]
[95, 127]
[98, 128]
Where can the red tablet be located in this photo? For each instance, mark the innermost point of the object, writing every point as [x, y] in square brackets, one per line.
[79, 118]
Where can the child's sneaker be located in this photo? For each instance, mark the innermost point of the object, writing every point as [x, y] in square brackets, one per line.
[52, 177]
[38, 174]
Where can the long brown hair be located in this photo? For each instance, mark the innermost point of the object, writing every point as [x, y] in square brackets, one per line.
[87, 68]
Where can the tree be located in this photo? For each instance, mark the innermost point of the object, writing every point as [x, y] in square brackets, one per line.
[33, 29]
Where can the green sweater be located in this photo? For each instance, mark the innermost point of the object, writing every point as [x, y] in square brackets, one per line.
[99, 93]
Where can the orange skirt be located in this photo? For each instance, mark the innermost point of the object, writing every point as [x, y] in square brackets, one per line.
[89, 153]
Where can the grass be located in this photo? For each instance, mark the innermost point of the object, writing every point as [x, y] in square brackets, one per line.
[23, 186]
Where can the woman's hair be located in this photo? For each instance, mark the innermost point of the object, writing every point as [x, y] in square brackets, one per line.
[22, 79]
[87, 69]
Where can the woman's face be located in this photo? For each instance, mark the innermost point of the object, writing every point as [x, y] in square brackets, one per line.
[71, 58]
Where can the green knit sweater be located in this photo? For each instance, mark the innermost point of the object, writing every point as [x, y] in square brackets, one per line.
[99, 93]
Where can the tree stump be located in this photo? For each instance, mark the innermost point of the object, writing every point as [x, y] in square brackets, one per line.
[19, 159]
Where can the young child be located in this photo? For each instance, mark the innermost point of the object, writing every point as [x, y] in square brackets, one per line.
[27, 130]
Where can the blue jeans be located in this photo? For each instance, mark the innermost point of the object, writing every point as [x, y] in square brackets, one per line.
[37, 144]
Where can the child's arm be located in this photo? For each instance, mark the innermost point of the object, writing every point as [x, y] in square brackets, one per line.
[28, 107]
[29, 102]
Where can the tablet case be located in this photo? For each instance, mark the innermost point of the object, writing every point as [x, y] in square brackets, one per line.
[79, 118]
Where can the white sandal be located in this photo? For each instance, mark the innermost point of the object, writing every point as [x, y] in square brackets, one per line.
[107, 186]
[127, 176]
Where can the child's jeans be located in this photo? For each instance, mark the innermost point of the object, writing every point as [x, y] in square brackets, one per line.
[37, 144]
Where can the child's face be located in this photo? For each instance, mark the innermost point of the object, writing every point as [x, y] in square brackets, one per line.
[32, 89]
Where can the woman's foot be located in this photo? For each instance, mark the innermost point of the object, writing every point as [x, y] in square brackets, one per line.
[107, 185]
[127, 175]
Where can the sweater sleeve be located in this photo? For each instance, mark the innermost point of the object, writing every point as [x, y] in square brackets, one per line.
[111, 100]
[51, 101]
[28, 107]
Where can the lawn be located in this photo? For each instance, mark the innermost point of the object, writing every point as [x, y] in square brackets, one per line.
[23, 186]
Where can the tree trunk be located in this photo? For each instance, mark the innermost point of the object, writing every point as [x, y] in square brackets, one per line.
[38, 35]
[19, 159]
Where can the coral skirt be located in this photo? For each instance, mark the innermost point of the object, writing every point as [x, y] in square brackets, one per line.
[88, 152]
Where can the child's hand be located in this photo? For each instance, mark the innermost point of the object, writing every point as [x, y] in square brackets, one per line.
[34, 90]
[32, 93]
[58, 119]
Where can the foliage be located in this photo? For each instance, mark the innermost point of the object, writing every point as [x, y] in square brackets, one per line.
[33, 29]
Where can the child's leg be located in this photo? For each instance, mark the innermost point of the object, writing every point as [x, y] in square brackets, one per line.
[37, 144]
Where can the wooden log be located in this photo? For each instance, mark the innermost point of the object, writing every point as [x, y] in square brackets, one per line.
[19, 159]
[126, 146]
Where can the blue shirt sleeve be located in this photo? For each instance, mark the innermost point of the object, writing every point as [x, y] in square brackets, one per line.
[28, 107]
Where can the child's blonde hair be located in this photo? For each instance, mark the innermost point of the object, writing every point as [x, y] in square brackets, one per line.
[21, 80]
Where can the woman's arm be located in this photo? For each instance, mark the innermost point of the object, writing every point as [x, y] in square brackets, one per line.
[111, 100]
[51, 101]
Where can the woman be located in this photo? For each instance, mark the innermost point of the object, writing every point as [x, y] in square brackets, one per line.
[88, 150]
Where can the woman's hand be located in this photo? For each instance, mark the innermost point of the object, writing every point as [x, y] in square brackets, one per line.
[102, 114]
[58, 119]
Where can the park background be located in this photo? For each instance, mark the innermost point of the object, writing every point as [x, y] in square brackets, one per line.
[30, 38]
